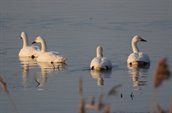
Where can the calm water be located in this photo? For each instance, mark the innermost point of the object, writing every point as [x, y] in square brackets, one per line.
[75, 28]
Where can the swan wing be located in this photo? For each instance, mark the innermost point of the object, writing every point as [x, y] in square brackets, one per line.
[133, 57]
[100, 63]
[36, 48]
[27, 51]
[57, 57]
[106, 62]
[143, 57]
[45, 57]
[50, 57]
[55, 52]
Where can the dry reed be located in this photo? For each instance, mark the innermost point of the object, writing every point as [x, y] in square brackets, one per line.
[162, 72]
[113, 90]
[82, 106]
[107, 109]
[170, 109]
[3, 84]
[158, 109]
[80, 88]
[99, 106]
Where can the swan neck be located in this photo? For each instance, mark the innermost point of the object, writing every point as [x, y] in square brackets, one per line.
[25, 42]
[134, 47]
[43, 46]
[99, 53]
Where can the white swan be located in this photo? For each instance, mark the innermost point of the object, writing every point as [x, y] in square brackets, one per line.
[45, 56]
[137, 58]
[27, 51]
[99, 62]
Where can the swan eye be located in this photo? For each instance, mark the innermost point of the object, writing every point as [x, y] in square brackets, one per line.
[32, 56]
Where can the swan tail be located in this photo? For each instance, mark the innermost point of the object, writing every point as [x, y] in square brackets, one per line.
[60, 60]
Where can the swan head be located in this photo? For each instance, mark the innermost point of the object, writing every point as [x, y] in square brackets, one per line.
[137, 38]
[23, 35]
[38, 39]
[99, 51]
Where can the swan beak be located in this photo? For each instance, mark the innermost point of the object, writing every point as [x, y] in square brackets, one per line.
[33, 42]
[143, 40]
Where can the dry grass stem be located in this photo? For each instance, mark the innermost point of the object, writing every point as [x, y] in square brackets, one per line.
[162, 72]
[158, 109]
[4, 85]
[96, 106]
[99, 106]
[91, 106]
[170, 109]
[82, 106]
[100, 103]
[5, 89]
[92, 101]
[80, 88]
[107, 109]
[113, 90]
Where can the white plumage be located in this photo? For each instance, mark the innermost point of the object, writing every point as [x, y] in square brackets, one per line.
[45, 56]
[27, 51]
[137, 58]
[99, 62]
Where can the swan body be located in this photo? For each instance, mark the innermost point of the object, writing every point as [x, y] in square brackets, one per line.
[99, 62]
[47, 56]
[137, 58]
[27, 51]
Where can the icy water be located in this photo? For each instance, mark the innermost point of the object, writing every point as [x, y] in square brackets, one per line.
[75, 28]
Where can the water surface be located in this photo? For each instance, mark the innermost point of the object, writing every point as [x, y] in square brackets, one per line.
[74, 28]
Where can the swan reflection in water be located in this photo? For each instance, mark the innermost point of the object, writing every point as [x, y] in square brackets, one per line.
[41, 77]
[138, 76]
[46, 69]
[26, 64]
[100, 75]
